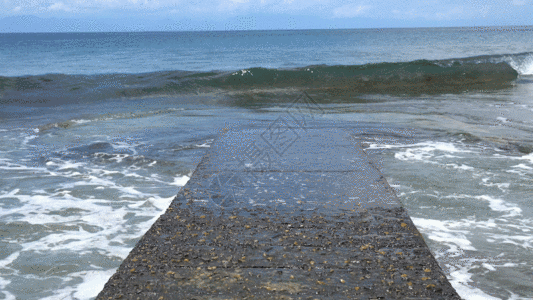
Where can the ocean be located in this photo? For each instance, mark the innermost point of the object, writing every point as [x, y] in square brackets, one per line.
[99, 131]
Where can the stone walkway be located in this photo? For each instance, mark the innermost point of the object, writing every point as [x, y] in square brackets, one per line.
[282, 212]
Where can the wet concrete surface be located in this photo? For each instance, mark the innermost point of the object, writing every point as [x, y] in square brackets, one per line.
[283, 212]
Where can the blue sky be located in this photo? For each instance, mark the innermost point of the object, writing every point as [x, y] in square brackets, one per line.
[126, 15]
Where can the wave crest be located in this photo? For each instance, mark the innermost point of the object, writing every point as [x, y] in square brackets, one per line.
[482, 73]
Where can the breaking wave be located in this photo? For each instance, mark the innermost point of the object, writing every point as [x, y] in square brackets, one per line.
[481, 73]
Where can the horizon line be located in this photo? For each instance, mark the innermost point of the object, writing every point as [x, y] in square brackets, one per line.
[284, 29]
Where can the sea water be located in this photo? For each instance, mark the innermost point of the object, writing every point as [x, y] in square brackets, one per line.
[99, 131]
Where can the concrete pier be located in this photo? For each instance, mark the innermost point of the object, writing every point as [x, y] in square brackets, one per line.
[283, 211]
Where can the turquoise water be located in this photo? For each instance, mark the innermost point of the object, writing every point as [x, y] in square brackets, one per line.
[99, 131]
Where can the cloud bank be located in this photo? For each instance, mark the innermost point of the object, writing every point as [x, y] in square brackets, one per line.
[328, 13]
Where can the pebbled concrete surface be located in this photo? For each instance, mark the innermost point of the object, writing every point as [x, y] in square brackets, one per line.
[282, 212]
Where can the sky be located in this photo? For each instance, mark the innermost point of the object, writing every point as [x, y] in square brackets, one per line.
[149, 15]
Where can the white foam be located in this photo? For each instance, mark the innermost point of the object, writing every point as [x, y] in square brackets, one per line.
[181, 180]
[242, 72]
[441, 231]
[9, 260]
[161, 203]
[488, 267]
[528, 157]
[461, 167]
[206, 144]
[503, 120]
[131, 174]
[502, 186]
[102, 172]
[494, 203]
[524, 67]
[516, 297]
[509, 265]
[110, 219]
[472, 223]
[126, 146]
[93, 283]
[409, 155]
[119, 157]
[10, 194]
[90, 180]
[70, 165]
[519, 172]
[9, 296]
[81, 121]
[522, 166]
[501, 205]
[460, 278]
[5, 165]
[130, 191]
[524, 241]
[27, 139]
[3, 284]
[425, 151]
[426, 146]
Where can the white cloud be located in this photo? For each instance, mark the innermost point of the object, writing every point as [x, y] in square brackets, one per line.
[485, 10]
[427, 10]
[442, 13]
[520, 2]
[59, 6]
[230, 7]
[408, 14]
[450, 14]
[350, 11]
